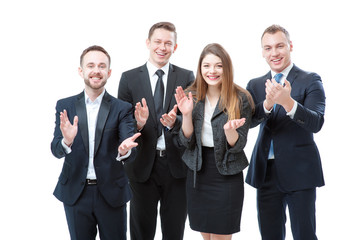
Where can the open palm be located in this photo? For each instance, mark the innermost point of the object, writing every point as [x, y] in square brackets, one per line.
[184, 102]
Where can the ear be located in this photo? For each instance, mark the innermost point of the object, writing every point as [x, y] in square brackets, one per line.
[80, 71]
[109, 73]
[147, 42]
[175, 47]
[291, 46]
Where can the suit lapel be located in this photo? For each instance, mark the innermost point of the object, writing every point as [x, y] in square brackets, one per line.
[147, 91]
[199, 109]
[101, 120]
[217, 110]
[171, 82]
[83, 121]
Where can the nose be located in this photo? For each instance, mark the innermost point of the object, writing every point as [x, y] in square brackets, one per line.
[274, 52]
[162, 46]
[96, 69]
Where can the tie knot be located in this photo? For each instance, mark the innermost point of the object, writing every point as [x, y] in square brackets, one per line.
[278, 77]
[159, 73]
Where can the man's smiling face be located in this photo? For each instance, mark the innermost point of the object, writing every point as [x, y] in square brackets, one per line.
[276, 49]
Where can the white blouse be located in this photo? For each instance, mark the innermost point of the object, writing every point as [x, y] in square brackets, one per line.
[207, 133]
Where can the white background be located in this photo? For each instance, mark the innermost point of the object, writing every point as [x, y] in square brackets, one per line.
[41, 42]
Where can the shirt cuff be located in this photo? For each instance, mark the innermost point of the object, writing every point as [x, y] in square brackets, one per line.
[291, 113]
[65, 147]
[266, 110]
[120, 158]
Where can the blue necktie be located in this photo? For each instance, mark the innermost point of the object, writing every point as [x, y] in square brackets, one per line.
[277, 77]
[158, 99]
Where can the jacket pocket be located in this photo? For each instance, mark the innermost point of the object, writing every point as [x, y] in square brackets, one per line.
[64, 175]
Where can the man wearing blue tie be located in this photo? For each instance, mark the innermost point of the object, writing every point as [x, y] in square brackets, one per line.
[285, 165]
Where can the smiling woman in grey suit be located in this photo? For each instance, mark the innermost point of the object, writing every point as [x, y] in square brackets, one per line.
[216, 118]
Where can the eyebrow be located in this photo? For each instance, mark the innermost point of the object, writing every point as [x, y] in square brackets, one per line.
[209, 63]
[92, 63]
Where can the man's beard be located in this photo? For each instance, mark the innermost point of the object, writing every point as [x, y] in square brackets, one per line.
[93, 86]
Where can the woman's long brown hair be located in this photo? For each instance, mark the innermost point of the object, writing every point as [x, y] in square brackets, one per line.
[230, 101]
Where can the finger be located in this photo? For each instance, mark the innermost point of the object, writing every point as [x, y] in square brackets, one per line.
[190, 95]
[176, 98]
[132, 145]
[178, 95]
[137, 105]
[175, 108]
[164, 123]
[287, 83]
[61, 117]
[65, 114]
[277, 85]
[144, 102]
[75, 121]
[135, 136]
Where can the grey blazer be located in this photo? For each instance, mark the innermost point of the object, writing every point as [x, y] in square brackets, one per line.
[229, 160]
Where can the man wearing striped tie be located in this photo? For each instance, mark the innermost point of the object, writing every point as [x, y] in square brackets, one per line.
[285, 166]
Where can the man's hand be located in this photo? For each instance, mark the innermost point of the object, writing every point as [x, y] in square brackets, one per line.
[68, 130]
[128, 144]
[168, 120]
[279, 94]
[141, 113]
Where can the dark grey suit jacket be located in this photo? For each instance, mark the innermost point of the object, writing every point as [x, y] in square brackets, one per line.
[229, 160]
[135, 85]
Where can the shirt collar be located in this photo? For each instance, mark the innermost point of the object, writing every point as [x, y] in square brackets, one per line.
[98, 100]
[152, 69]
[285, 71]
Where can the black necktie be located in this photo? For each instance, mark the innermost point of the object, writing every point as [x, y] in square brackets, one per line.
[158, 99]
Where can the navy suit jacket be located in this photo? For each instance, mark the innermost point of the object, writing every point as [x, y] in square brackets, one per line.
[135, 85]
[115, 123]
[297, 160]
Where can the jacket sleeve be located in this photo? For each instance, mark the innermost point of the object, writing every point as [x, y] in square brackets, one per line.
[243, 130]
[311, 106]
[56, 146]
[258, 97]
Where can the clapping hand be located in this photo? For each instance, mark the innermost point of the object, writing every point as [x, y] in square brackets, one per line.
[67, 129]
[128, 144]
[184, 102]
[141, 113]
[230, 130]
[234, 124]
[168, 120]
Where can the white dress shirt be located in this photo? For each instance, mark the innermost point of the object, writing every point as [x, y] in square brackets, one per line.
[207, 132]
[153, 82]
[92, 109]
[92, 116]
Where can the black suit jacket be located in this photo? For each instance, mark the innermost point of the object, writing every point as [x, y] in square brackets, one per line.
[114, 124]
[135, 85]
[297, 160]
